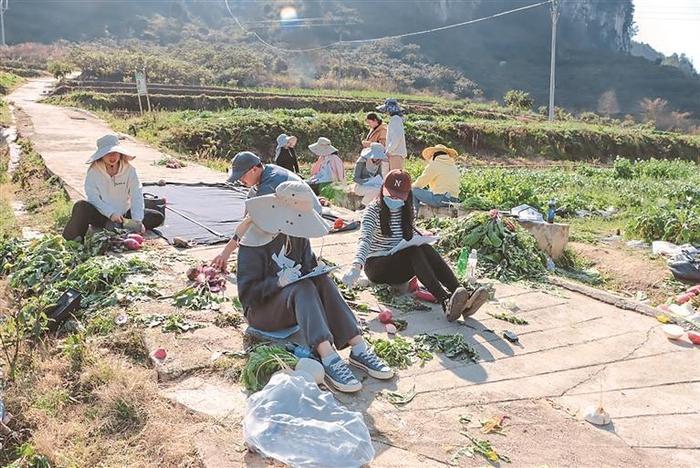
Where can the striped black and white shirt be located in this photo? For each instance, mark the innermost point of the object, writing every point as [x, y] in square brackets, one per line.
[372, 242]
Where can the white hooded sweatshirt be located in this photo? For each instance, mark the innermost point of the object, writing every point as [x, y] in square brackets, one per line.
[115, 194]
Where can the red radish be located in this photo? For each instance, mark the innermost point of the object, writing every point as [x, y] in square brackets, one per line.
[160, 354]
[339, 223]
[695, 289]
[137, 237]
[390, 328]
[424, 295]
[131, 244]
[385, 316]
[683, 298]
[694, 337]
[413, 285]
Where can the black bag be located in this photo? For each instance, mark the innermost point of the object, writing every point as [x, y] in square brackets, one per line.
[154, 202]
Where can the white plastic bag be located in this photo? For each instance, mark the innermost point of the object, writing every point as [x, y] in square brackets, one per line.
[293, 421]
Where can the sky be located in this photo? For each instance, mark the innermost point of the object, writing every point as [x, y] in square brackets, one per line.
[670, 26]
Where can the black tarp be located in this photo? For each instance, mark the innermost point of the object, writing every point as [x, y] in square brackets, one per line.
[220, 207]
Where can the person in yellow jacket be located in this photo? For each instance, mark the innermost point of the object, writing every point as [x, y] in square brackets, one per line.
[441, 177]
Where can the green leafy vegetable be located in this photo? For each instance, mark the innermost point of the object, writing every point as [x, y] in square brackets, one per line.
[400, 352]
[453, 346]
[263, 361]
[510, 318]
[399, 399]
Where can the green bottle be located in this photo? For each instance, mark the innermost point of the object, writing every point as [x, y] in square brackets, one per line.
[462, 263]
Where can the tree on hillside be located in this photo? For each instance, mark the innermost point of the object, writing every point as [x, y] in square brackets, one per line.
[607, 103]
[657, 111]
[518, 99]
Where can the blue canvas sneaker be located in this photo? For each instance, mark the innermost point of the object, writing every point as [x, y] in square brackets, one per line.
[370, 363]
[341, 377]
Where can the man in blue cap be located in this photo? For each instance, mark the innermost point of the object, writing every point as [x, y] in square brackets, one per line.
[262, 179]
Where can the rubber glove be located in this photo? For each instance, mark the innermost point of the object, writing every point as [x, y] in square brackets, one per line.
[352, 275]
[288, 275]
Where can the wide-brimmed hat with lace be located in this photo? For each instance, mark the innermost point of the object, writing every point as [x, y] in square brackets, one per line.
[290, 210]
[109, 144]
[391, 106]
[374, 151]
[322, 147]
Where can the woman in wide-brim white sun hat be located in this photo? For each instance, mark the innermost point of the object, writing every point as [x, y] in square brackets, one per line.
[274, 255]
[113, 192]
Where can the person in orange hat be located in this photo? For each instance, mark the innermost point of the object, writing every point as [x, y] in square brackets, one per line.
[441, 177]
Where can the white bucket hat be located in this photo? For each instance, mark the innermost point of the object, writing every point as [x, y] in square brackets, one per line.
[290, 210]
[255, 237]
[322, 147]
[374, 151]
[109, 144]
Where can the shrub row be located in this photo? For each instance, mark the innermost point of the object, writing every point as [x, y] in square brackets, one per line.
[221, 134]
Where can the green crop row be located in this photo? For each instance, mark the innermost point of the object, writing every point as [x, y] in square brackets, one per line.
[222, 134]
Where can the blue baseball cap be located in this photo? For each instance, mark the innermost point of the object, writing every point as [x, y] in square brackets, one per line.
[242, 163]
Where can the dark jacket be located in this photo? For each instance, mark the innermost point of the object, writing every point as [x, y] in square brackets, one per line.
[256, 272]
[288, 159]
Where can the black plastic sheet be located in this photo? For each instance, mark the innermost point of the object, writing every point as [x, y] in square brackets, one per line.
[190, 207]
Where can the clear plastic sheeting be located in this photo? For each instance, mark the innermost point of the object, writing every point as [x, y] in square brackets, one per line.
[293, 421]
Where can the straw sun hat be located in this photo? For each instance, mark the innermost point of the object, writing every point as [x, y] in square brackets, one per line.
[429, 152]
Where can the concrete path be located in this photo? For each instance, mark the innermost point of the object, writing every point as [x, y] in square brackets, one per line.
[66, 137]
[575, 352]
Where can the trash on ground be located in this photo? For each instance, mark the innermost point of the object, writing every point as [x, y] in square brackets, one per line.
[673, 332]
[397, 398]
[527, 213]
[511, 336]
[667, 249]
[694, 337]
[453, 346]
[313, 368]
[663, 318]
[121, 319]
[484, 448]
[597, 415]
[494, 425]
[263, 361]
[637, 244]
[510, 318]
[293, 421]
[160, 354]
[685, 264]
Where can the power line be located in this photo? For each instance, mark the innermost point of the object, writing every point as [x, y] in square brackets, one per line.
[396, 36]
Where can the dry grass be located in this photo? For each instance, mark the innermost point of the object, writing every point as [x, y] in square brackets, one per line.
[108, 413]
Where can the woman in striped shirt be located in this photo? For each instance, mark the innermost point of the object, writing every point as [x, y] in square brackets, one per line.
[388, 220]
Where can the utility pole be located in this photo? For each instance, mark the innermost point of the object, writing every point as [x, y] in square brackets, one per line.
[552, 65]
[4, 5]
[340, 61]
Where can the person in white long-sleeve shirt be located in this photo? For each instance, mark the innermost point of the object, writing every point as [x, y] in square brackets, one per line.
[113, 193]
[396, 137]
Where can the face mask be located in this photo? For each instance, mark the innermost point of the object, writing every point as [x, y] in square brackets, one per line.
[393, 203]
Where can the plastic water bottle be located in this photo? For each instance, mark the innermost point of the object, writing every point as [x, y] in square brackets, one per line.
[551, 211]
[471, 266]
